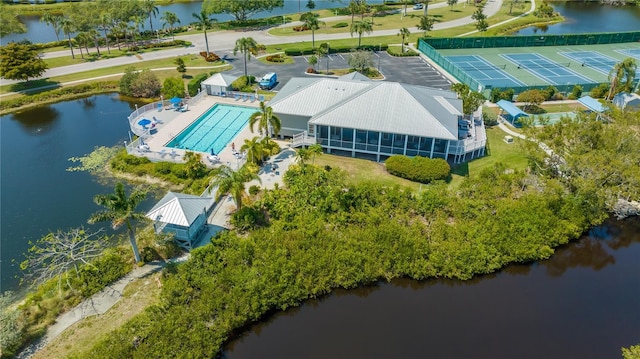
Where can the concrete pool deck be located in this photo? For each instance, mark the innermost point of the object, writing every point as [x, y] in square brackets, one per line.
[156, 149]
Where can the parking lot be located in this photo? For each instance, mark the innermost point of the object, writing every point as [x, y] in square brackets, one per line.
[410, 70]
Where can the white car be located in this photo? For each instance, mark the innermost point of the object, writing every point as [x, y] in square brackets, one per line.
[418, 7]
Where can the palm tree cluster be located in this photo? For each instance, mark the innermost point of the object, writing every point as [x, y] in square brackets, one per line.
[90, 23]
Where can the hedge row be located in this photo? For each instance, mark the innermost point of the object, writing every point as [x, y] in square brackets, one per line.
[337, 49]
[418, 169]
[194, 84]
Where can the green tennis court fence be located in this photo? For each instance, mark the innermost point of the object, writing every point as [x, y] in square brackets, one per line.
[449, 66]
[475, 85]
[531, 40]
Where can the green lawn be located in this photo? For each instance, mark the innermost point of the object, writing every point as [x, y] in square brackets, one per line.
[360, 170]
[384, 22]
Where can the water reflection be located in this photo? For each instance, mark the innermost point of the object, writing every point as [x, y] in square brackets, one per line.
[567, 306]
[37, 121]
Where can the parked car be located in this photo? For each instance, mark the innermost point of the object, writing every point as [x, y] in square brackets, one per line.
[418, 6]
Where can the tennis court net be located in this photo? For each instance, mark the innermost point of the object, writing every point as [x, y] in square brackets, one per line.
[481, 67]
[543, 66]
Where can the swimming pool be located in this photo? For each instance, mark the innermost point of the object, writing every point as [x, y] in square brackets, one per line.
[214, 129]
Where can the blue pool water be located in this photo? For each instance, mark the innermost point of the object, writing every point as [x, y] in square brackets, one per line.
[214, 129]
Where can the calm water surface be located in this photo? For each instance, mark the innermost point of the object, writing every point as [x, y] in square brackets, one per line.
[590, 17]
[582, 303]
[38, 195]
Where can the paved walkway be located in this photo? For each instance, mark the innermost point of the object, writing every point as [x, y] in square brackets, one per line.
[99, 303]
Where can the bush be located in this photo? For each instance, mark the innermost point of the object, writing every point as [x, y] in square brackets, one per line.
[106, 269]
[397, 52]
[145, 84]
[275, 58]
[600, 91]
[209, 57]
[300, 28]
[339, 25]
[243, 83]
[247, 218]
[489, 118]
[497, 95]
[418, 169]
[173, 87]
[311, 70]
[194, 84]
[254, 190]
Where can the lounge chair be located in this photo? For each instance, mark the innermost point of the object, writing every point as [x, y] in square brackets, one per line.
[156, 120]
[213, 158]
[185, 108]
[159, 106]
[236, 97]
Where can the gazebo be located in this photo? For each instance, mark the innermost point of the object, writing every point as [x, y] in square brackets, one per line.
[218, 84]
[513, 113]
[183, 215]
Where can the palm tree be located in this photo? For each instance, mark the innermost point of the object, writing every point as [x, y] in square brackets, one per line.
[105, 22]
[150, 8]
[120, 210]
[68, 27]
[54, 21]
[404, 32]
[361, 27]
[303, 156]
[625, 70]
[205, 22]
[265, 120]
[139, 24]
[353, 9]
[169, 18]
[245, 45]
[426, 7]
[233, 182]
[312, 22]
[315, 149]
[426, 24]
[254, 149]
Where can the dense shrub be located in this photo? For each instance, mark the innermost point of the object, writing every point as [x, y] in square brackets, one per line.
[209, 57]
[397, 52]
[300, 28]
[600, 91]
[311, 70]
[243, 83]
[418, 169]
[106, 269]
[139, 84]
[497, 95]
[489, 118]
[247, 218]
[340, 24]
[173, 87]
[275, 58]
[194, 84]
[576, 92]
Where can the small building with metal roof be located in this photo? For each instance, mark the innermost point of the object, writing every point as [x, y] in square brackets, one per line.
[182, 215]
[627, 101]
[357, 117]
[218, 84]
[511, 112]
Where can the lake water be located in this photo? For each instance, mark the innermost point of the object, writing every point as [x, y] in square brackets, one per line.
[590, 17]
[38, 194]
[581, 303]
[38, 31]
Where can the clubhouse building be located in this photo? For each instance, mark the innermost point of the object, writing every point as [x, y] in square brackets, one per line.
[354, 116]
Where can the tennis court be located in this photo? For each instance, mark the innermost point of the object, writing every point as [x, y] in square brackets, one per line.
[630, 52]
[595, 60]
[553, 72]
[485, 72]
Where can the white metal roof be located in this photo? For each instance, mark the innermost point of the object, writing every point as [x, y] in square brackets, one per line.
[179, 209]
[389, 107]
[220, 79]
[309, 98]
